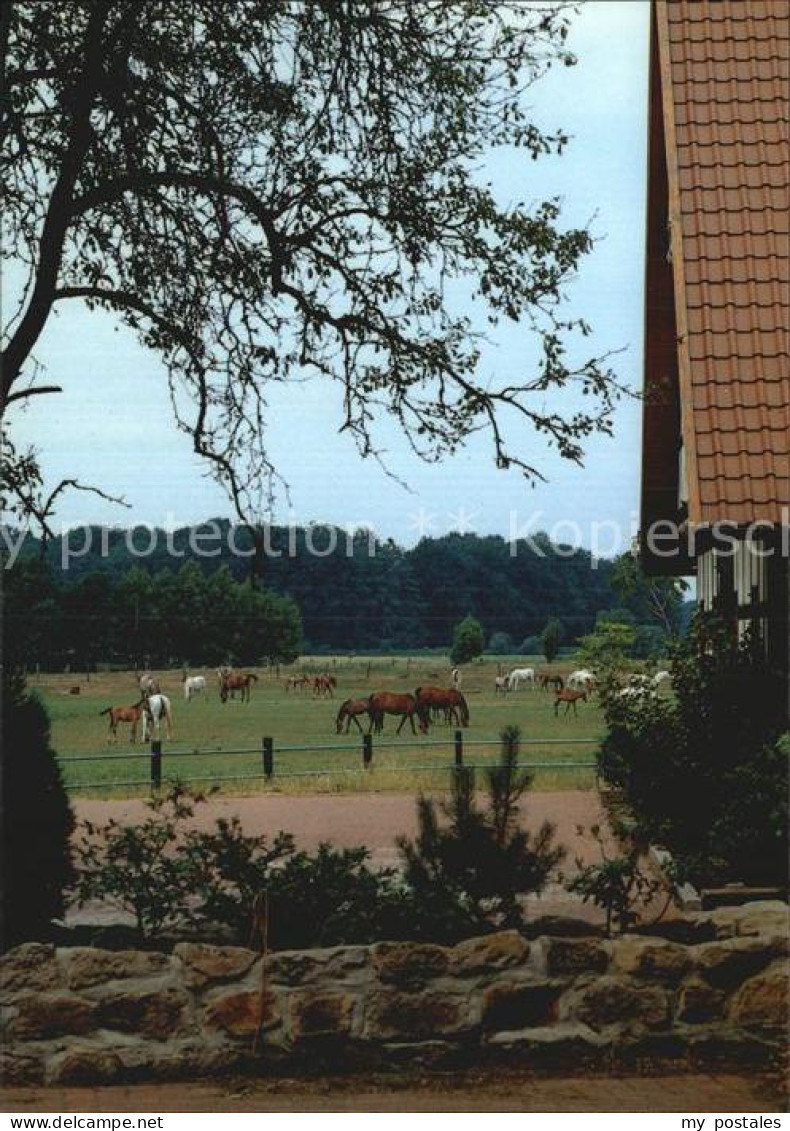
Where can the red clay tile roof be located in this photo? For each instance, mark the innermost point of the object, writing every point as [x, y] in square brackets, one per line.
[724, 78]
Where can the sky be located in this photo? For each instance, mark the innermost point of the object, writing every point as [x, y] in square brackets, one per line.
[112, 425]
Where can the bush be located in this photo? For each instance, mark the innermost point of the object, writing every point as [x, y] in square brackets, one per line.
[706, 771]
[37, 820]
[461, 879]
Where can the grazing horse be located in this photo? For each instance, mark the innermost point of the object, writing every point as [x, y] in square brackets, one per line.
[149, 685]
[570, 698]
[157, 707]
[548, 681]
[297, 682]
[447, 699]
[501, 684]
[324, 685]
[233, 683]
[383, 703]
[519, 676]
[126, 715]
[349, 713]
[194, 685]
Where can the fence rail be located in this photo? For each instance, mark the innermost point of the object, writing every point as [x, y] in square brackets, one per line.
[268, 753]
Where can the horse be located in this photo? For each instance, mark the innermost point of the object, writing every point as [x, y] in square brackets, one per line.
[570, 698]
[501, 684]
[581, 680]
[126, 715]
[194, 685]
[448, 699]
[157, 707]
[383, 703]
[661, 677]
[456, 678]
[149, 685]
[324, 685]
[349, 713]
[519, 676]
[297, 682]
[547, 681]
[233, 683]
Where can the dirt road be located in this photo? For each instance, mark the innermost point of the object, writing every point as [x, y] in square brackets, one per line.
[480, 1092]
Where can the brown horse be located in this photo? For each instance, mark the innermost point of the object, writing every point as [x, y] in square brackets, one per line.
[570, 698]
[446, 699]
[383, 703]
[324, 685]
[233, 683]
[349, 713]
[549, 681]
[131, 715]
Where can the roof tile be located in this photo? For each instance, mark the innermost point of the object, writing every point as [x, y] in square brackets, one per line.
[728, 71]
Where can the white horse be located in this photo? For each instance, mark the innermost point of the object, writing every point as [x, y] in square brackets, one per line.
[661, 677]
[581, 680]
[194, 685]
[157, 707]
[149, 685]
[501, 684]
[519, 676]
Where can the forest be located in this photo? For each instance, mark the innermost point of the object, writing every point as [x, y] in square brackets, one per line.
[174, 605]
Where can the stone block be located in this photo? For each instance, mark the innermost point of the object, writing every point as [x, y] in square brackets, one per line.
[238, 1013]
[205, 964]
[613, 1000]
[85, 966]
[409, 964]
[763, 1002]
[651, 958]
[509, 1005]
[499, 951]
[29, 967]
[151, 1013]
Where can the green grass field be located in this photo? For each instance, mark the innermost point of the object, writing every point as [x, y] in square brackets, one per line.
[233, 731]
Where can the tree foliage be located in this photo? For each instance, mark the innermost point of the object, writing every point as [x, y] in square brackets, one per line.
[551, 639]
[468, 640]
[367, 595]
[273, 189]
[656, 601]
[166, 618]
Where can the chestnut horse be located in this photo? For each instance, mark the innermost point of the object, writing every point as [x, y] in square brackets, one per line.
[233, 683]
[131, 715]
[447, 699]
[349, 712]
[570, 698]
[383, 703]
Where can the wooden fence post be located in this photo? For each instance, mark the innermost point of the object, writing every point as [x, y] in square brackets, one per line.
[156, 765]
[367, 750]
[268, 757]
[459, 748]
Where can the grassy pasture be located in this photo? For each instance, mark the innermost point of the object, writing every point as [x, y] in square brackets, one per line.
[234, 730]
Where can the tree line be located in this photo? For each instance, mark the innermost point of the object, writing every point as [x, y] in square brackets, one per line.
[368, 594]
